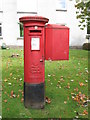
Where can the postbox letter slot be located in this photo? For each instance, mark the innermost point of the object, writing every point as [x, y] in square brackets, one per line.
[35, 31]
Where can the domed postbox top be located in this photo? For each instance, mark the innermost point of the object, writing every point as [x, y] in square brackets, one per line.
[33, 19]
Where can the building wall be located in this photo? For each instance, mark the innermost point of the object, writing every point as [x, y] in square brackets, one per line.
[9, 22]
[1, 16]
[14, 9]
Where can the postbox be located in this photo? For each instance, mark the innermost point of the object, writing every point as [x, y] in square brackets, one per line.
[34, 56]
[56, 42]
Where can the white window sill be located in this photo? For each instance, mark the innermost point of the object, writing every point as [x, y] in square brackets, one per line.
[20, 38]
[62, 10]
[1, 37]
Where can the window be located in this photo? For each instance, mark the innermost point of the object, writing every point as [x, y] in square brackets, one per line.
[21, 29]
[0, 29]
[88, 23]
[88, 29]
[61, 5]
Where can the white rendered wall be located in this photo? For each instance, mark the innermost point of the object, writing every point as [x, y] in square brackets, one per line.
[14, 9]
[77, 36]
[1, 20]
[48, 8]
[25, 8]
[9, 22]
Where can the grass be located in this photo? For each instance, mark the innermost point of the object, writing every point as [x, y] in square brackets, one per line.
[61, 78]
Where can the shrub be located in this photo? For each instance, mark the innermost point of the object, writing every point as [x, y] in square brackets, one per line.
[86, 46]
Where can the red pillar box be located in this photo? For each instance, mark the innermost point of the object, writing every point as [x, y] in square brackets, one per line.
[57, 42]
[34, 36]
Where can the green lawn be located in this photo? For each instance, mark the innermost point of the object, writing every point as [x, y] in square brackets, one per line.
[66, 86]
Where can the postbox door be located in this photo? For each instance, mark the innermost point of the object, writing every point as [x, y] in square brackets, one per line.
[34, 58]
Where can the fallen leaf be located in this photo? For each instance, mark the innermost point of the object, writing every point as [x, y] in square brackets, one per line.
[5, 92]
[76, 116]
[85, 112]
[22, 93]
[12, 93]
[20, 84]
[61, 76]
[14, 55]
[53, 75]
[9, 83]
[5, 101]
[5, 80]
[17, 96]
[76, 89]
[47, 100]
[86, 81]
[81, 84]
[49, 75]
[59, 81]
[68, 97]
[72, 80]
[20, 79]
[10, 74]
[22, 99]
[19, 90]
[59, 86]
[65, 102]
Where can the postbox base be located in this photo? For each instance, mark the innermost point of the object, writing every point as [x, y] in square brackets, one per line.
[34, 95]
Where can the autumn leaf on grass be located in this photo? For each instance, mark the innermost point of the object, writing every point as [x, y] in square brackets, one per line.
[18, 96]
[19, 90]
[49, 75]
[20, 84]
[68, 85]
[22, 99]
[61, 76]
[5, 80]
[68, 97]
[9, 83]
[5, 92]
[53, 75]
[12, 93]
[81, 84]
[48, 100]
[10, 74]
[76, 89]
[5, 101]
[65, 102]
[22, 93]
[85, 112]
[72, 80]
[80, 98]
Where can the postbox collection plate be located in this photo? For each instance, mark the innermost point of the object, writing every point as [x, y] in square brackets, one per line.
[35, 43]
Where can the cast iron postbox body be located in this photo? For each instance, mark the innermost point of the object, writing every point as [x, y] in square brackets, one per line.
[34, 60]
[56, 42]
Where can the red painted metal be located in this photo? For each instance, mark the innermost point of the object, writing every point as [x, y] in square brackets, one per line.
[34, 30]
[57, 42]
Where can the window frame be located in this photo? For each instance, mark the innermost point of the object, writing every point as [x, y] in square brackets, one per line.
[0, 29]
[21, 30]
[58, 8]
